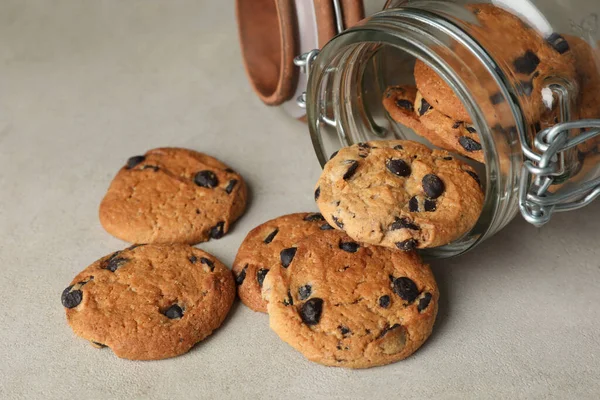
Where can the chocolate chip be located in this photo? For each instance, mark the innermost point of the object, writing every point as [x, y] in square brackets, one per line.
[407, 245]
[216, 232]
[448, 158]
[470, 129]
[208, 263]
[344, 330]
[335, 153]
[193, 259]
[260, 276]
[497, 98]
[287, 256]
[317, 193]
[413, 204]
[558, 43]
[289, 301]
[384, 301]
[115, 263]
[405, 288]
[206, 179]
[425, 106]
[430, 205]
[398, 167]
[405, 104]
[271, 236]
[456, 125]
[350, 247]
[311, 311]
[398, 147]
[474, 175]
[304, 292]
[403, 223]
[314, 217]
[240, 278]
[527, 63]
[433, 186]
[339, 223]
[387, 329]
[231, 185]
[134, 161]
[71, 298]
[424, 302]
[174, 312]
[469, 144]
[326, 227]
[351, 170]
[525, 88]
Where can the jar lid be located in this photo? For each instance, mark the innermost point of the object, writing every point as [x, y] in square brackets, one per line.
[273, 32]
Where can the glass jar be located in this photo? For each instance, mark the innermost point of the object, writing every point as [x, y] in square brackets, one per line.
[531, 113]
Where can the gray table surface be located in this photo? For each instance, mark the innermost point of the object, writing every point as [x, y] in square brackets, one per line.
[85, 84]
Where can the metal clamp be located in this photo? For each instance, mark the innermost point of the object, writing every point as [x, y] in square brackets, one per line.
[543, 167]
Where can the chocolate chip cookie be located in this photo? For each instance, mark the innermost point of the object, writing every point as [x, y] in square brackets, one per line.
[399, 194]
[149, 302]
[341, 303]
[172, 195]
[268, 244]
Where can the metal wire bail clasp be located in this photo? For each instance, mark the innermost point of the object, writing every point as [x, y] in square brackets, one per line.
[542, 168]
[304, 61]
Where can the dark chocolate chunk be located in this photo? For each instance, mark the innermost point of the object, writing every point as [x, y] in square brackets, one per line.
[208, 263]
[289, 301]
[287, 256]
[339, 223]
[527, 63]
[497, 98]
[398, 167]
[115, 263]
[405, 104]
[206, 179]
[387, 329]
[71, 298]
[405, 288]
[304, 292]
[231, 185]
[216, 232]
[469, 144]
[240, 278]
[260, 276]
[425, 106]
[525, 88]
[407, 245]
[413, 204]
[424, 302]
[384, 301]
[134, 161]
[470, 129]
[344, 330]
[317, 193]
[430, 205]
[433, 186]
[398, 147]
[271, 236]
[311, 311]
[350, 247]
[351, 170]
[174, 312]
[335, 153]
[474, 175]
[326, 227]
[456, 125]
[558, 43]
[193, 259]
[403, 223]
[448, 158]
[314, 217]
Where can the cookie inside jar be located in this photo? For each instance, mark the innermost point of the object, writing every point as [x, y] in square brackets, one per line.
[476, 80]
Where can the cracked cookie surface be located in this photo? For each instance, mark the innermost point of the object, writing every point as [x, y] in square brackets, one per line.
[269, 244]
[341, 303]
[149, 302]
[172, 195]
[399, 194]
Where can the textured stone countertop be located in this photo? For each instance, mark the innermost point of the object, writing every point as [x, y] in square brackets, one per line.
[85, 84]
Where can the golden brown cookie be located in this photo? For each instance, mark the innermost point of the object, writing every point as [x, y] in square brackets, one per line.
[268, 244]
[399, 102]
[399, 194]
[345, 304]
[172, 195]
[150, 302]
[460, 136]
